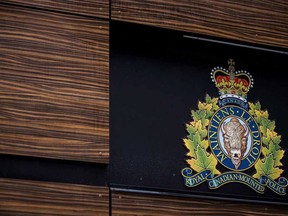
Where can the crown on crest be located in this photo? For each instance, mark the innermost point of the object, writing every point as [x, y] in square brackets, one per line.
[231, 83]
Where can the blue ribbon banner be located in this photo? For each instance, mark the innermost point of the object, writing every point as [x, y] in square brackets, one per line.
[191, 180]
[233, 100]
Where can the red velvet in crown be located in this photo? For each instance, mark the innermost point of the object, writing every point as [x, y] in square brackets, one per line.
[228, 82]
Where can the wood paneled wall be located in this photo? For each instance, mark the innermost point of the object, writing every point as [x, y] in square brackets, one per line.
[54, 87]
[97, 8]
[258, 21]
[22, 197]
[54, 93]
[54, 103]
[137, 204]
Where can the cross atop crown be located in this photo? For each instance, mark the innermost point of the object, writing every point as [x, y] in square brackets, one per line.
[231, 83]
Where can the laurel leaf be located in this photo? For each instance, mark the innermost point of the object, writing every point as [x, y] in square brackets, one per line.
[203, 161]
[267, 168]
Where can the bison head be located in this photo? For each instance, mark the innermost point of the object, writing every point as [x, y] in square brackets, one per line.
[235, 137]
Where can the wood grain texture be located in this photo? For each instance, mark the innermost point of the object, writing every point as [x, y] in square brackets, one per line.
[54, 85]
[258, 21]
[97, 8]
[22, 197]
[138, 204]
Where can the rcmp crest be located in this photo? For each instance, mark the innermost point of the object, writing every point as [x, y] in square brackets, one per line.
[235, 136]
